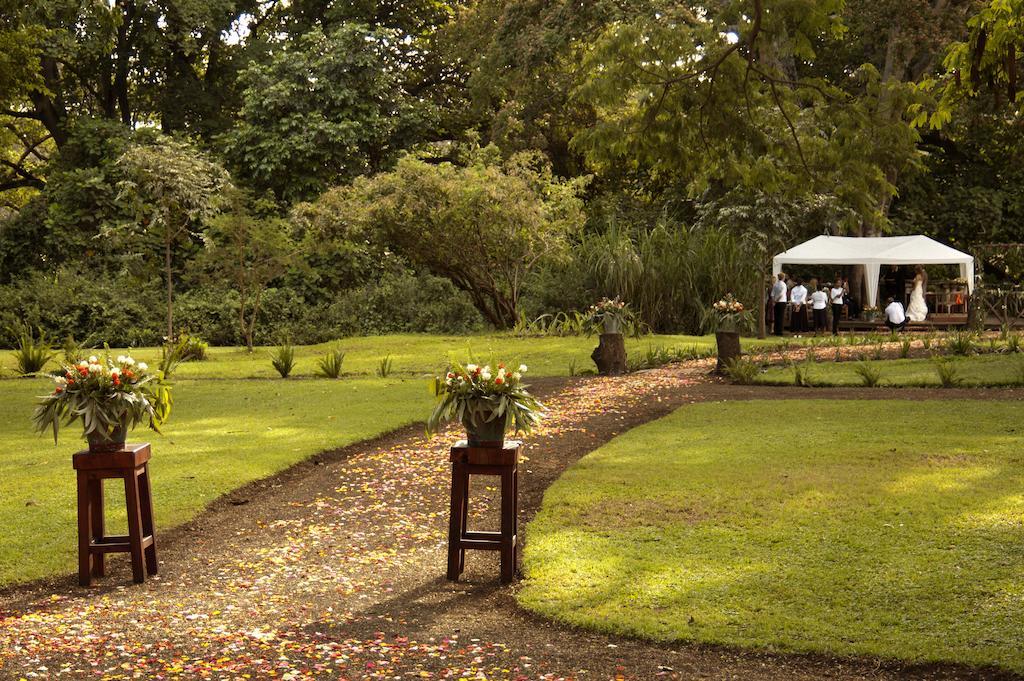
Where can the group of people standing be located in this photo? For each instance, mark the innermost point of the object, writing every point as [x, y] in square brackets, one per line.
[820, 299]
[798, 300]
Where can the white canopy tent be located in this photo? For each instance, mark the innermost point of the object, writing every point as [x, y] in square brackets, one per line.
[872, 253]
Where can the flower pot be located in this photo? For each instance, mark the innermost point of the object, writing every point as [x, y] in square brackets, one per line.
[100, 441]
[612, 325]
[483, 433]
[728, 348]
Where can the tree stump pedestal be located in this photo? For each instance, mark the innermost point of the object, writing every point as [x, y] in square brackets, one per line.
[728, 349]
[129, 464]
[500, 461]
[610, 354]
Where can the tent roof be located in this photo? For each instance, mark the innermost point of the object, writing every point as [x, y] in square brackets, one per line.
[877, 250]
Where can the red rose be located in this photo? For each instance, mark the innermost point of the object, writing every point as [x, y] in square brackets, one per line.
[58, 391]
[499, 381]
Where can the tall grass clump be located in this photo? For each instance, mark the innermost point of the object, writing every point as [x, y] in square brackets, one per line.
[802, 373]
[1013, 343]
[330, 364]
[905, 348]
[384, 366]
[283, 359]
[32, 354]
[870, 375]
[960, 343]
[948, 373]
[742, 370]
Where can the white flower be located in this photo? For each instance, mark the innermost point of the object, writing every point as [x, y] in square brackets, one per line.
[115, 372]
[120, 359]
[522, 368]
[93, 360]
[95, 368]
[60, 380]
[471, 368]
[517, 375]
[501, 372]
[143, 366]
[83, 364]
[485, 375]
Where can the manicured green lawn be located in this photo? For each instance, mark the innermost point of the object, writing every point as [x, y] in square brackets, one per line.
[222, 435]
[979, 370]
[883, 528]
[422, 354]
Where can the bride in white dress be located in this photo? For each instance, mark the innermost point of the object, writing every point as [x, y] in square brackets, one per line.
[917, 311]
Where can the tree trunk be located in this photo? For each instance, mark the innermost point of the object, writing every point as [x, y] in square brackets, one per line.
[761, 295]
[610, 354]
[169, 271]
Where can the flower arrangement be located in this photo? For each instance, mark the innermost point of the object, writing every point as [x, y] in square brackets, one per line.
[610, 315]
[486, 402]
[728, 315]
[111, 396]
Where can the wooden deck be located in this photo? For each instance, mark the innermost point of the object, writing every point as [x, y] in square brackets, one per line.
[935, 322]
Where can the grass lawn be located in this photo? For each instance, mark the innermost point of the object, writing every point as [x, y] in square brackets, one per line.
[421, 354]
[222, 435]
[880, 528]
[979, 370]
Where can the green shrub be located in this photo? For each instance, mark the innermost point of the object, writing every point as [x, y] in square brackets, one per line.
[283, 359]
[1013, 343]
[32, 354]
[905, 348]
[870, 375]
[330, 364]
[960, 343]
[83, 304]
[742, 370]
[949, 374]
[879, 352]
[384, 365]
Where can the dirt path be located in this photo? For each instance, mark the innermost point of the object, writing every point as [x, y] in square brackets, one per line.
[335, 570]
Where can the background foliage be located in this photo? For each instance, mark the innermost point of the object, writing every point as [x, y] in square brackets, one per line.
[455, 164]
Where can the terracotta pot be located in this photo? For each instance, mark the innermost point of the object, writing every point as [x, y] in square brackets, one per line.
[483, 433]
[100, 441]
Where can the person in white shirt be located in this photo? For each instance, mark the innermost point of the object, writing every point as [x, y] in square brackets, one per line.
[895, 316]
[780, 296]
[837, 294]
[798, 297]
[819, 308]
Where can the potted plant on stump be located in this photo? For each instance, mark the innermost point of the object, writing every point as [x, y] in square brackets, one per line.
[111, 397]
[487, 403]
[610, 318]
[727, 317]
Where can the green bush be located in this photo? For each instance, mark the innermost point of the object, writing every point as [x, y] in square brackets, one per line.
[402, 303]
[384, 366]
[118, 310]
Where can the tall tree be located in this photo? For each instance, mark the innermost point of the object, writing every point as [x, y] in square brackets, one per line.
[484, 226]
[172, 189]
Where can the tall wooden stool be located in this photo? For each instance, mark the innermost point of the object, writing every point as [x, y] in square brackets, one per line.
[131, 465]
[500, 461]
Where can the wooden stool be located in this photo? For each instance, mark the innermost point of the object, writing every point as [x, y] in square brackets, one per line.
[129, 464]
[500, 461]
